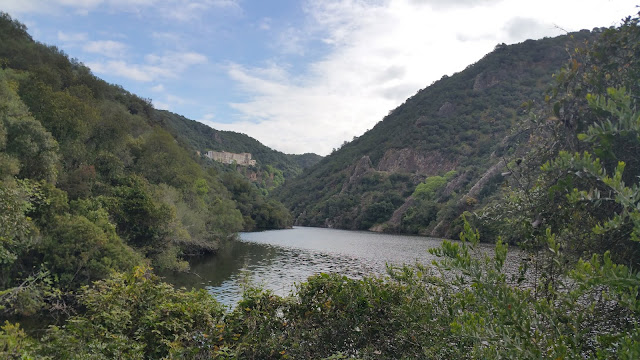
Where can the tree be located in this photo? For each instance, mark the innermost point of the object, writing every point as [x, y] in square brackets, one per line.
[158, 149]
[17, 231]
[23, 138]
[428, 188]
[80, 251]
[141, 220]
[135, 316]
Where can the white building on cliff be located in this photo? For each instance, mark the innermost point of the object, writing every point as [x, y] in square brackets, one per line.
[224, 157]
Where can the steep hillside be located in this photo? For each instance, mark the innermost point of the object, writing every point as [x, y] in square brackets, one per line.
[92, 180]
[436, 155]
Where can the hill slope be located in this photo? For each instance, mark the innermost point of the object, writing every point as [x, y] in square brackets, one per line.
[92, 179]
[437, 154]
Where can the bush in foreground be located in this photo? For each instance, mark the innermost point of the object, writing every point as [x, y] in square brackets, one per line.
[466, 307]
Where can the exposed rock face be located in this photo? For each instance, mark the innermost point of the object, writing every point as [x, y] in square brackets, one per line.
[361, 168]
[446, 109]
[421, 121]
[477, 187]
[411, 161]
[457, 183]
[396, 218]
[485, 80]
[440, 230]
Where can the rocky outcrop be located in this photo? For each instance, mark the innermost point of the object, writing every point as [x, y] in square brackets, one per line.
[446, 109]
[440, 230]
[412, 161]
[477, 187]
[421, 121]
[396, 218]
[455, 185]
[485, 79]
[362, 167]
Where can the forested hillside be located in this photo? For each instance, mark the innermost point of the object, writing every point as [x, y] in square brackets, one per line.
[438, 154]
[92, 180]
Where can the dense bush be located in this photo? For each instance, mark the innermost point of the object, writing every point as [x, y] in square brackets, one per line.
[135, 316]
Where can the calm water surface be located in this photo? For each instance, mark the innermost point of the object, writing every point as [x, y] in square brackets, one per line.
[278, 259]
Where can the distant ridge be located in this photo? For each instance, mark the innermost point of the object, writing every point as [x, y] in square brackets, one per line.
[201, 137]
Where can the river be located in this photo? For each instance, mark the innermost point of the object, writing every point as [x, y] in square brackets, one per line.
[278, 259]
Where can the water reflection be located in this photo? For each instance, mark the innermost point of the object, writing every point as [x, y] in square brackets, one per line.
[277, 260]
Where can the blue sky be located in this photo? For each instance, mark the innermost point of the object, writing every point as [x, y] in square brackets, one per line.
[299, 76]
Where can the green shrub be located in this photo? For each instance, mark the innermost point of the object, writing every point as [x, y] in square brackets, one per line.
[135, 316]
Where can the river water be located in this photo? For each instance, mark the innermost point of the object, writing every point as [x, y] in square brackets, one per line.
[278, 259]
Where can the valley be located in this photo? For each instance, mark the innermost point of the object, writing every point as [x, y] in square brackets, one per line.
[533, 149]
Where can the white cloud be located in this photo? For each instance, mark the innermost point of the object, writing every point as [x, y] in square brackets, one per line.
[444, 4]
[72, 37]
[380, 53]
[158, 88]
[378, 59]
[161, 105]
[169, 101]
[225, 3]
[173, 99]
[265, 24]
[527, 28]
[167, 38]
[292, 41]
[16, 7]
[167, 65]
[208, 117]
[130, 71]
[187, 10]
[182, 10]
[108, 48]
[176, 60]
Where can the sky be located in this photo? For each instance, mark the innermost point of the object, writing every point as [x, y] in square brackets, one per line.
[298, 75]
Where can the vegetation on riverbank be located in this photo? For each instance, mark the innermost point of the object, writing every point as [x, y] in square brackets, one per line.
[572, 203]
